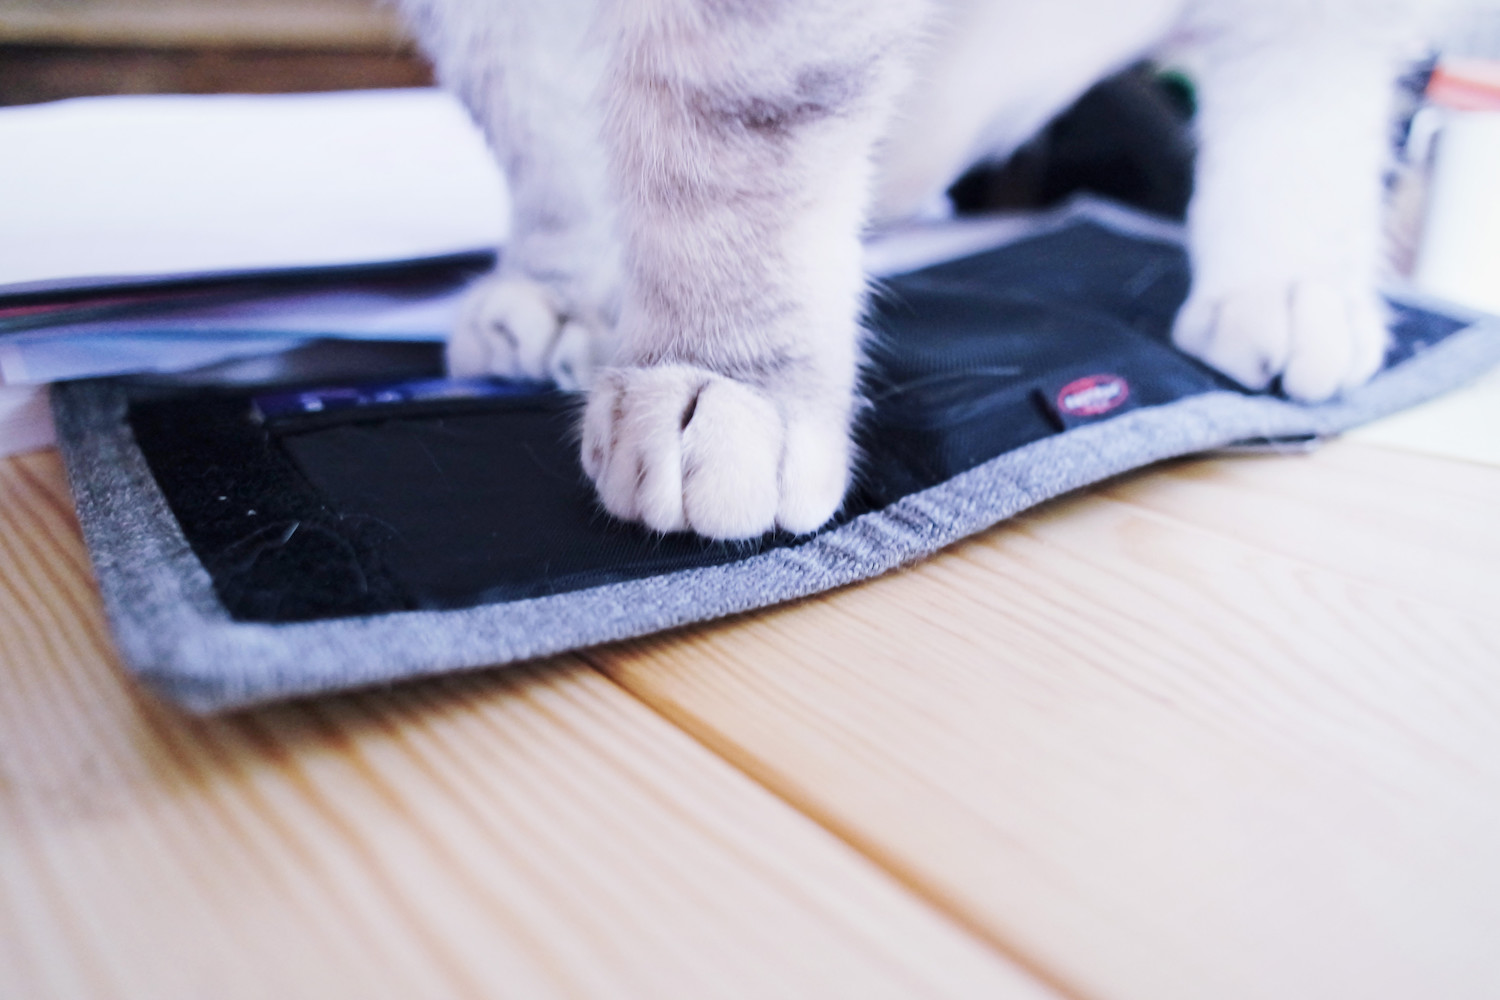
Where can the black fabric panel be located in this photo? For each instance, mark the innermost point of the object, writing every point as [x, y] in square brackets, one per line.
[452, 504]
[275, 549]
[486, 506]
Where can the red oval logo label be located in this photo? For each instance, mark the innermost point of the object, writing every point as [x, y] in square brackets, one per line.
[1092, 395]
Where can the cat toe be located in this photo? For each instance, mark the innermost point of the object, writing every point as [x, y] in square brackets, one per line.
[1320, 339]
[515, 328]
[1338, 342]
[677, 448]
[814, 473]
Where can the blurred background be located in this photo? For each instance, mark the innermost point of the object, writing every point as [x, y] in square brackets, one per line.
[1128, 139]
[51, 49]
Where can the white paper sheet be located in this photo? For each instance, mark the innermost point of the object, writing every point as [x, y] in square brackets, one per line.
[139, 186]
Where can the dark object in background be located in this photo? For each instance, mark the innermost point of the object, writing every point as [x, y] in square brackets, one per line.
[1129, 138]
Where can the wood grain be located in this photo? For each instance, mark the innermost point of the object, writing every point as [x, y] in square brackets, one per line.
[533, 833]
[51, 51]
[30, 74]
[1388, 518]
[316, 24]
[1228, 729]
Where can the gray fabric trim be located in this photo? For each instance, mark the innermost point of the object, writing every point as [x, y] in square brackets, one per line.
[172, 631]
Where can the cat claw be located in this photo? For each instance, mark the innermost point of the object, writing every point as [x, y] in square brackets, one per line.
[1319, 338]
[514, 327]
[681, 448]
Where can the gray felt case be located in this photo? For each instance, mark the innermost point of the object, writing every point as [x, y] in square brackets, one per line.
[173, 632]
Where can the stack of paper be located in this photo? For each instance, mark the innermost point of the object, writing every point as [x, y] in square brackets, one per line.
[104, 190]
[167, 233]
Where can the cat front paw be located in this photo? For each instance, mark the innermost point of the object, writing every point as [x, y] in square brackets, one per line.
[515, 327]
[1320, 338]
[681, 448]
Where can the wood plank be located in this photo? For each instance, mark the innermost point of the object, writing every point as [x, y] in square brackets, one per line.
[31, 74]
[532, 833]
[1152, 758]
[1353, 512]
[316, 24]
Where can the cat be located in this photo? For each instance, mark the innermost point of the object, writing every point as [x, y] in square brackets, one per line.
[691, 178]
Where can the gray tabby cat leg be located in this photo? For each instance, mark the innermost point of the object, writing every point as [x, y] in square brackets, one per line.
[740, 138]
[529, 74]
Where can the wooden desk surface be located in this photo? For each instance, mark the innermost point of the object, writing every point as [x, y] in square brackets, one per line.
[1230, 728]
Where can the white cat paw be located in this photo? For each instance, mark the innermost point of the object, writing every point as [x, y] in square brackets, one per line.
[1320, 338]
[680, 448]
[515, 327]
